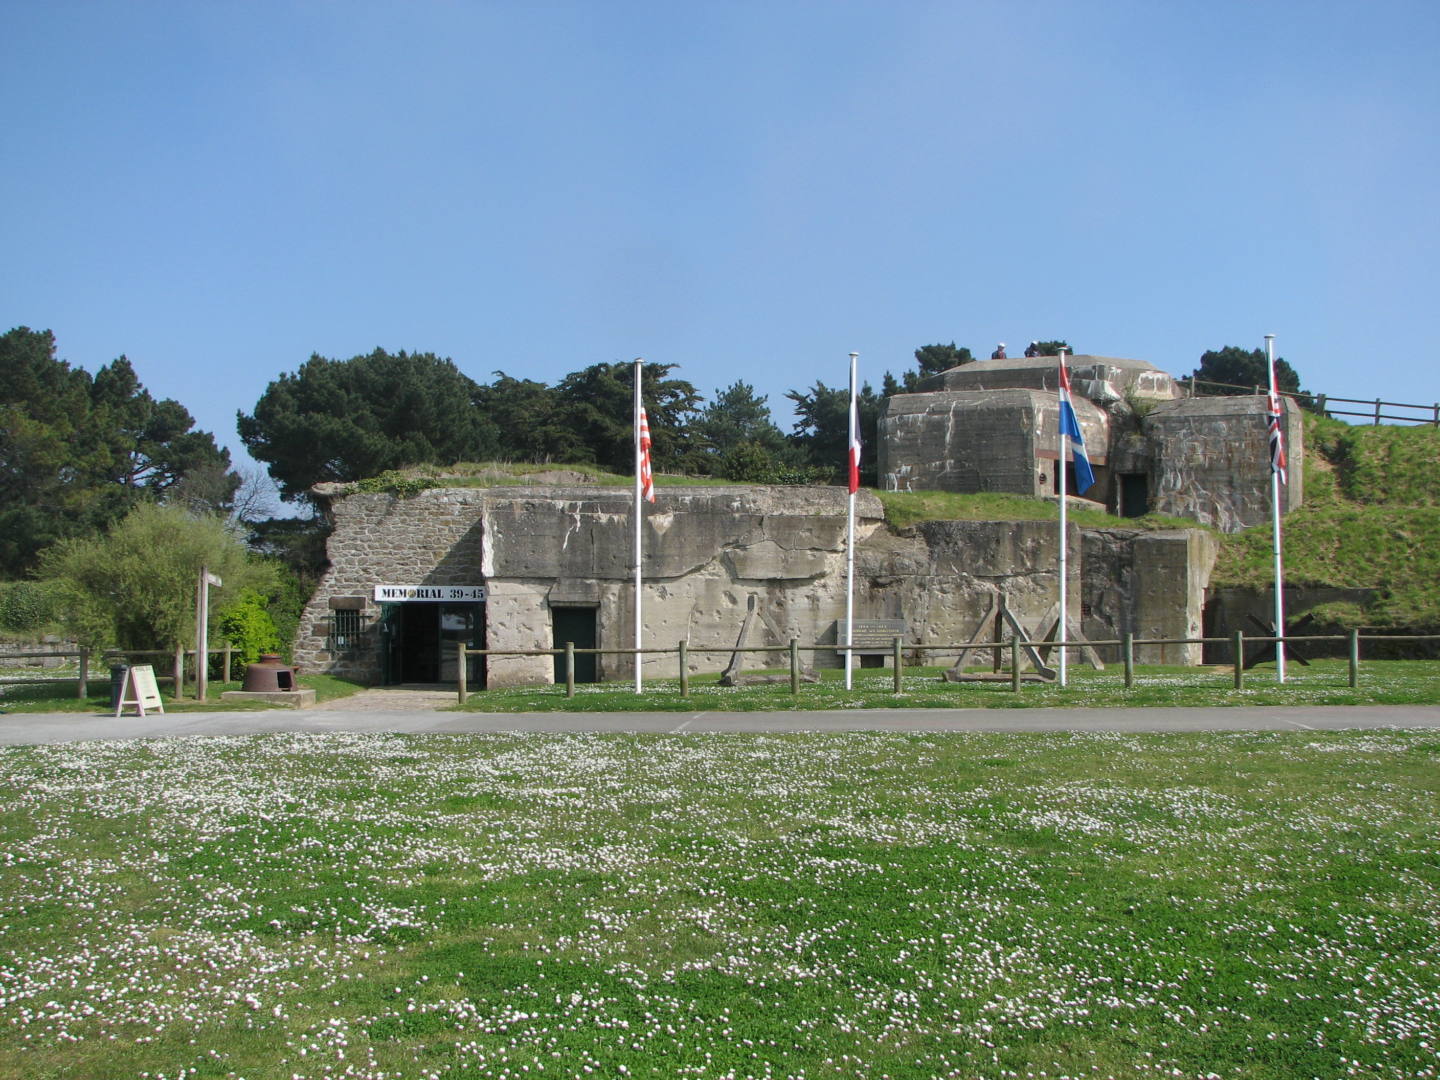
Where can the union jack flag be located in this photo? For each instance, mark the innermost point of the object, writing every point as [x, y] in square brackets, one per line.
[1274, 416]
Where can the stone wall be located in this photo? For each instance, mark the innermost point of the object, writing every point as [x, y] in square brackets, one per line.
[980, 440]
[431, 539]
[944, 577]
[992, 426]
[1149, 584]
[708, 551]
[1210, 460]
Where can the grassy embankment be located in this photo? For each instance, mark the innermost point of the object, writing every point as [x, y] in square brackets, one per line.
[1371, 519]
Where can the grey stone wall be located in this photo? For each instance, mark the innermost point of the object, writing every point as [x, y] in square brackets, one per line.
[1149, 584]
[992, 426]
[1210, 460]
[943, 577]
[973, 441]
[707, 551]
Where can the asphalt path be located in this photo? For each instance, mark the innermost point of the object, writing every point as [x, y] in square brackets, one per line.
[36, 728]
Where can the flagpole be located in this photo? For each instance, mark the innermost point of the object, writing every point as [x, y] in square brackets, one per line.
[639, 521]
[1275, 408]
[1064, 554]
[850, 532]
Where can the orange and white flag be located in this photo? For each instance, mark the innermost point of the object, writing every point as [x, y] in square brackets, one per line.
[647, 480]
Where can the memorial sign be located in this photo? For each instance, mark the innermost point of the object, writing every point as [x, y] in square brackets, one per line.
[454, 594]
[872, 636]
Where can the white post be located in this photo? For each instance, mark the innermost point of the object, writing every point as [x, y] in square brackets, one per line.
[202, 632]
[1276, 408]
[1064, 456]
[639, 522]
[202, 644]
[850, 463]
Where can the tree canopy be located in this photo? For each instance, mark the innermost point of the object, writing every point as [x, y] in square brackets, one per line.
[596, 405]
[76, 451]
[526, 414]
[133, 587]
[344, 420]
[933, 359]
[822, 427]
[1240, 371]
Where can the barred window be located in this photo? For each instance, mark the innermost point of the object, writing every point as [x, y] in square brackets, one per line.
[346, 630]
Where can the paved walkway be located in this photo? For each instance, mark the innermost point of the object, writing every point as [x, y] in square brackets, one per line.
[34, 728]
[392, 699]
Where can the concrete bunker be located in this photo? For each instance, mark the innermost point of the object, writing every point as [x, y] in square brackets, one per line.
[991, 425]
[528, 569]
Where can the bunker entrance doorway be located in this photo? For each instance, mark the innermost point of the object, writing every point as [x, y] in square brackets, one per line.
[578, 625]
[421, 642]
[1134, 495]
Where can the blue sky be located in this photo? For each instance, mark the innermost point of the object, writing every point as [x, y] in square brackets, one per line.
[747, 190]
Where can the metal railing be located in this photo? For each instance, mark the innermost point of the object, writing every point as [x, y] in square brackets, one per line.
[1013, 646]
[1323, 403]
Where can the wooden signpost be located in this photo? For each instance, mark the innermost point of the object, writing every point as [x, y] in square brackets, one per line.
[139, 689]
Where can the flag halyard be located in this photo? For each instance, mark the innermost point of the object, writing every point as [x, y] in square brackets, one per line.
[1070, 428]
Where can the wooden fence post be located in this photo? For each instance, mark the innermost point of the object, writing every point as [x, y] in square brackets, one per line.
[1015, 665]
[225, 672]
[1237, 645]
[684, 669]
[895, 659]
[1128, 656]
[570, 668]
[795, 667]
[84, 684]
[1354, 658]
[462, 675]
[179, 674]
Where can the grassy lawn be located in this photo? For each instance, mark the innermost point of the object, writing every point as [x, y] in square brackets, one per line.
[878, 905]
[60, 696]
[1324, 682]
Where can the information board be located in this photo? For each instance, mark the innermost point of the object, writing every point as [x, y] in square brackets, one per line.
[139, 690]
[871, 635]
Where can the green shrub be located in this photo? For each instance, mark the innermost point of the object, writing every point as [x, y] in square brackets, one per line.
[286, 603]
[27, 606]
[249, 627]
[395, 482]
[746, 462]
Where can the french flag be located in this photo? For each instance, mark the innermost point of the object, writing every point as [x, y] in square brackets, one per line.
[1069, 425]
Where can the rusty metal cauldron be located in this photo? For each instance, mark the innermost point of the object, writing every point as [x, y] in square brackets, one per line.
[268, 675]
